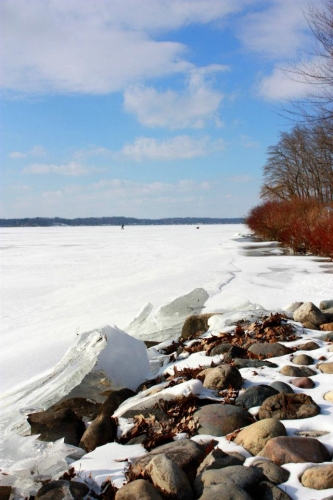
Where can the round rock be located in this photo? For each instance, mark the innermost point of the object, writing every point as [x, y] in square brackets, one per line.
[255, 436]
[285, 450]
[222, 377]
[326, 367]
[167, 476]
[318, 478]
[289, 406]
[303, 359]
[303, 382]
[282, 387]
[273, 349]
[297, 371]
[274, 473]
[255, 396]
[219, 420]
[138, 490]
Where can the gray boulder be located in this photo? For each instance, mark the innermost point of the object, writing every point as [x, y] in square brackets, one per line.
[222, 377]
[309, 312]
[219, 420]
[289, 406]
[62, 423]
[138, 490]
[269, 349]
[255, 396]
[101, 431]
[167, 476]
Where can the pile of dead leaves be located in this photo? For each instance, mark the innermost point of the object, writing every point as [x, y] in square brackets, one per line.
[180, 419]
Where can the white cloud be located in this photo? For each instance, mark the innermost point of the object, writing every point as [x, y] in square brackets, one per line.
[130, 189]
[91, 152]
[285, 83]
[72, 168]
[36, 151]
[96, 47]
[179, 147]
[277, 30]
[198, 103]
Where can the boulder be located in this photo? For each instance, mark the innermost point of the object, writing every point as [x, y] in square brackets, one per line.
[217, 459]
[318, 478]
[195, 325]
[101, 431]
[329, 396]
[309, 312]
[220, 349]
[114, 400]
[269, 350]
[308, 346]
[220, 491]
[246, 478]
[82, 407]
[328, 337]
[255, 396]
[309, 326]
[222, 377]
[5, 492]
[184, 452]
[297, 371]
[282, 387]
[302, 359]
[326, 367]
[288, 406]
[274, 473]
[234, 352]
[167, 476]
[327, 327]
[285, 450]
[138, 490]
[58, 490]
[325, 304]
[56, 425]
[252, 363]
[219, 420]
[303, 382]
[255, 436]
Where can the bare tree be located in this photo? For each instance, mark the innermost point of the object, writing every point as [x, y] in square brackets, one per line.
[317, 104]
[300, 165]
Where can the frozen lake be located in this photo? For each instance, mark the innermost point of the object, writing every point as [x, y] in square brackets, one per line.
[62, 281]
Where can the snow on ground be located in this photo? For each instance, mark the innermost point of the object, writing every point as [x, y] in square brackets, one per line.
[60, 286]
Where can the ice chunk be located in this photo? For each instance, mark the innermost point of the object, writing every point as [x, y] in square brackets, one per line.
[124, 359]
[167, 321]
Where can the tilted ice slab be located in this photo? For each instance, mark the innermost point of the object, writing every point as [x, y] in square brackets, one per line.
[167, 321]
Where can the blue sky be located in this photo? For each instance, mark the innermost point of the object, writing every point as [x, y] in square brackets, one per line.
[143, 108]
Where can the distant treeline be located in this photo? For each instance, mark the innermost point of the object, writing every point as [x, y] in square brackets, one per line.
[113, 221]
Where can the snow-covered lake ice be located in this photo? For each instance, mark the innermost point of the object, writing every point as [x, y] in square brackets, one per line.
[60, 286]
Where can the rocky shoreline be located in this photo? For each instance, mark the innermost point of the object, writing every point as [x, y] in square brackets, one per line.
[208, 425]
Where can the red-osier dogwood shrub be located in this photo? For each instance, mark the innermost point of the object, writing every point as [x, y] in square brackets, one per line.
[305, 226]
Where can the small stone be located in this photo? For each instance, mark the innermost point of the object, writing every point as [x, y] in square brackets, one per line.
[138, 490]
[289, 406]
[328, 337]
[318, 478]
[326, 367]
[220, 420]
[297, 371]
[303, 382]
[169, 477]
[285, 450]
[225, 491]
[255, 436]
[274, 473]
[303, 359]
[309, 312]
[329, 396]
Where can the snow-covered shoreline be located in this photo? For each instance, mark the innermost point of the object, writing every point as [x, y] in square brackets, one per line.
[231, 275]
